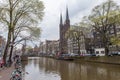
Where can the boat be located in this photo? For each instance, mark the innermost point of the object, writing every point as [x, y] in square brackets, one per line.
[24, 58]
[64, 57]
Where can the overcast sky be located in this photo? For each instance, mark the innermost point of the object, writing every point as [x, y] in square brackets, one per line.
[53, 8]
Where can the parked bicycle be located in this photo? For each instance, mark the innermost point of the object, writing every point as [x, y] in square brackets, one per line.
[16, 74]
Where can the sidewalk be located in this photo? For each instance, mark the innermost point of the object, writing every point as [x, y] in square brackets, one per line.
[5, 74]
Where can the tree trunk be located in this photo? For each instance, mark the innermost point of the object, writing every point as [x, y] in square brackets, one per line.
[106, 47]
[79, 48]
[7, 46]
[9, 34]
[105, 43]
[11, 51]
[106, 50]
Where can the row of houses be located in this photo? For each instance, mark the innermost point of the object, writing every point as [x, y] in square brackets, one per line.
[89, 42]
[49, 46]
[90, 45]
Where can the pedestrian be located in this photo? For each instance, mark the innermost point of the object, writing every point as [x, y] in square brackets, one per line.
[1, 63]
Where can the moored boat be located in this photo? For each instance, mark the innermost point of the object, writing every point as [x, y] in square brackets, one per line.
[24, 58]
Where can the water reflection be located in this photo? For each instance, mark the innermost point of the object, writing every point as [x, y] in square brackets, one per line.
[50, 69]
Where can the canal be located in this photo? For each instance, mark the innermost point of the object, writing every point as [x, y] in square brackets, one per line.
[51, 69]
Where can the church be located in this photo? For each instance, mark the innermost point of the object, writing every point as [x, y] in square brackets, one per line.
[63, 27]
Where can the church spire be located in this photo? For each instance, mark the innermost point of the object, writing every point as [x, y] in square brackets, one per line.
[61, 19]
[67, 14]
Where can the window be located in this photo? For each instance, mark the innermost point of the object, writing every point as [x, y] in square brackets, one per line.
[102, 52]
[97, 52]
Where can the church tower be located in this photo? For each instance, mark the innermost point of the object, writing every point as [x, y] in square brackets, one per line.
[63, 29]
[67, 21]
[61, 32]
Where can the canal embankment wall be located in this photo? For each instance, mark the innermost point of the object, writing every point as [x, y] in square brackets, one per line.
[95, 59]
[100, 59]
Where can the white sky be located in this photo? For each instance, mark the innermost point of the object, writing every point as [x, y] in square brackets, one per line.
[53, 8]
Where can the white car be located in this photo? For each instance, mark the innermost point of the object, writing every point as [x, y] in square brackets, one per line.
[73, 54]
[118, 53]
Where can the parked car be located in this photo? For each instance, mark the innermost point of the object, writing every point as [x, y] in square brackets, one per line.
[87, 54]
[93, 54]
[114, 53]
[109, 54]
[118, 53]
[65, 55]
[74, 54]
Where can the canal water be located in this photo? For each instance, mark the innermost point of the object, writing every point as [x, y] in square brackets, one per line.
[51, 69]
